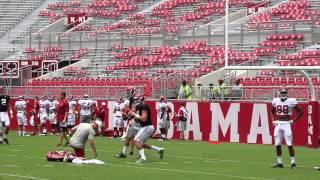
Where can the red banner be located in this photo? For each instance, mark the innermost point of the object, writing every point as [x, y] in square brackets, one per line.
[243, 122]
[255, 7]
[76, 18]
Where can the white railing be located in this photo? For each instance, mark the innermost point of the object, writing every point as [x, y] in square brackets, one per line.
[95, 92]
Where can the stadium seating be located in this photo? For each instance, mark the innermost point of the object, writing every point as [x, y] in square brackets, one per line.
[13, 11]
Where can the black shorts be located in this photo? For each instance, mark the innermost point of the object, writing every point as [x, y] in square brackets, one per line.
[62, 126]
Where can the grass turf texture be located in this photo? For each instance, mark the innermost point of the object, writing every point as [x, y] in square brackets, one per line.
[182, 160]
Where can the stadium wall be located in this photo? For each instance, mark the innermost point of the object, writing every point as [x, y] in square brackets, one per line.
[241, 122]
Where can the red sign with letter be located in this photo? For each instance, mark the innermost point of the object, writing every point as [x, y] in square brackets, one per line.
[236, 122]
[255, 7]
[77, 18]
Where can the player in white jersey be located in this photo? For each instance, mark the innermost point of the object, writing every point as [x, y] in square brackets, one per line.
[53, 115]
[43, 114]
[20, 107]
[164, 113]
[117, 118]
[85, 109]
[282, 109]
[72, 114]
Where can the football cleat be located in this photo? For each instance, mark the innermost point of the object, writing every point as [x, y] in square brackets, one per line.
[317, 168]
[6, 141]
[141, 160]
[161, 152]
[293, 166]
[121, 155]
[1, 142]
[278, 166]
[130, 153]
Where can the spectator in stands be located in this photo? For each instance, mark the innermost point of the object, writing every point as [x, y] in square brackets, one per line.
[236, 90]
[221, 91]
[210, 94]
[185, 91]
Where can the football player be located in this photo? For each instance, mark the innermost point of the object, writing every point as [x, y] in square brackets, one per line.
[282, 109]
[53, 115]
[72, 114]
[117, 118]
[182, 116]
[103, 110]
[132, 130]
[85, 109]
[20, 107]
[43, 114]
[34, 118]
[4, 117]
[143, 116]
[164, 112]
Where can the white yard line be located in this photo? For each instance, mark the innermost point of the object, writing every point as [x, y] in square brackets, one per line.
[24, 177]
[160, 163]
[8, 165]
[192, 172]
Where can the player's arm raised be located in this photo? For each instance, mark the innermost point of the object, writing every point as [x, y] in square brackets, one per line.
[143, 117]
[300, 113]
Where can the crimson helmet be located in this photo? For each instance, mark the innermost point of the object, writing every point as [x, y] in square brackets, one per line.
[162, 99]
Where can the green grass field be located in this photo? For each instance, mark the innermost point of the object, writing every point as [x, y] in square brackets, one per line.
[25, 159]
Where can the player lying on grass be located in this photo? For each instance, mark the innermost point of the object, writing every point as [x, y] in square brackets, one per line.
[282, 109]
[82, 133]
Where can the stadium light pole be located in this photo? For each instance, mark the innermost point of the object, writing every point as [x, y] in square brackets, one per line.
[226, 33]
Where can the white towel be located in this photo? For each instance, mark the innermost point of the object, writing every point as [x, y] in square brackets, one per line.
[90, 161]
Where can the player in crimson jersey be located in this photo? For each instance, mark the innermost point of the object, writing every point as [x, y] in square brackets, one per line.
[4, 117]
[34, 119]
[102, 114]
[62, 117]
[282, 109]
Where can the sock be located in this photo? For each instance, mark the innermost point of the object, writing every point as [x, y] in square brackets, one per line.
[0, 138]
[4, 136]
[293, 159]
[23, 133]
[125, 150]
[141, 152]
[45, 131]
[20, 133]
[155, 148]
[279, 159]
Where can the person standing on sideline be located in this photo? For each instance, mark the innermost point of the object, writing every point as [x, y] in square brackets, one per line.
[236, 90]
[4, 117]
[62, 117]
[185, 91]
[182, 116]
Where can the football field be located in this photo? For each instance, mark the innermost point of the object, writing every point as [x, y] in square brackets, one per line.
[25, 159]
